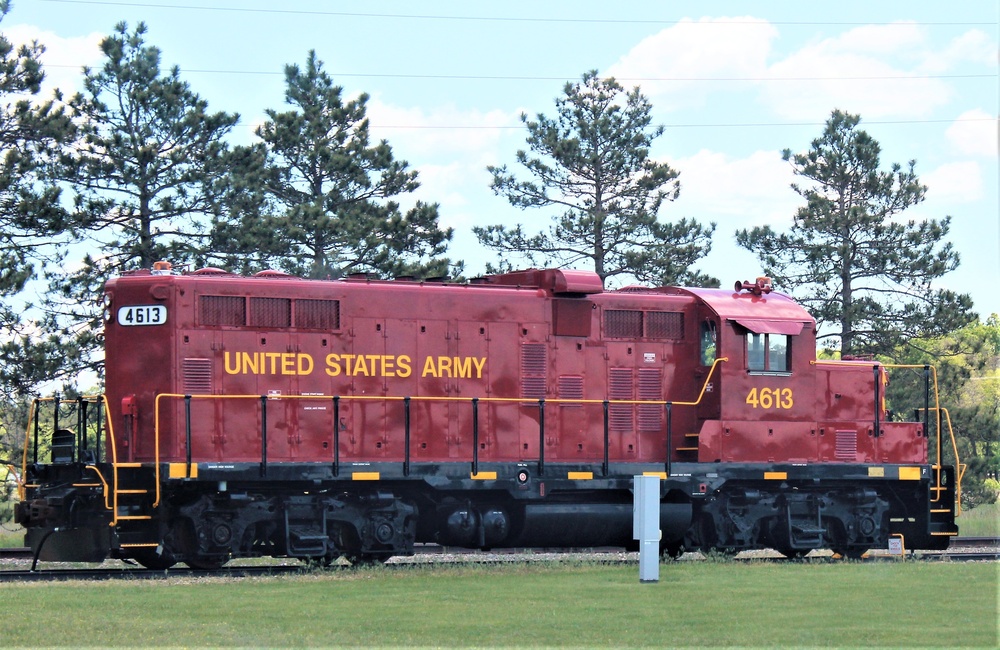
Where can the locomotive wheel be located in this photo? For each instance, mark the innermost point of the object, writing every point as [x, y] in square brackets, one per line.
[206, 562]
[672, 550]
[151, 560]
[852, 553]
[368, 559]
[323, 562]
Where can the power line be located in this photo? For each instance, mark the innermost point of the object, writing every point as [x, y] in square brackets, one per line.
[510, 127]
[469, 77]
[347, 14]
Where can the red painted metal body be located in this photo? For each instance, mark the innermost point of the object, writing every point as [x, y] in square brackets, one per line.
[508, 340]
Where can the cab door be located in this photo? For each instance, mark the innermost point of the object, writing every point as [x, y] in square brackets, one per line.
[709, 408]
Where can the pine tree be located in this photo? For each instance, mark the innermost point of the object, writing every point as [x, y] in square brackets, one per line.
[864, 273]
[142, 170]
[31, 217]
[591, 163]
[317, 198]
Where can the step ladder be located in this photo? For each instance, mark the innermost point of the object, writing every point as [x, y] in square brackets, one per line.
[688, 452]
[942, 512]
[133, 503]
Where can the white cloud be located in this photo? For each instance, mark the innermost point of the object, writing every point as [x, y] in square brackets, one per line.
[973, 46]
[81, 50]
[882, 52]
[711, 48]
[974, 133]
[443, 130]
[957, 182]
[736, 193]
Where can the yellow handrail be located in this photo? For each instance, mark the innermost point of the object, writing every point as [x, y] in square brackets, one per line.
[938, 410]
[392, 398]
[32, 414]
[11, 469]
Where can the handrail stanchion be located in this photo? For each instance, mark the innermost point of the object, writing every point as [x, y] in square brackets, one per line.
[475, 436]
[406, 436]
[187, 433]
[541, 436]
[336, 435]
[927, 401]
[55, 417]
[81, 427]
[670, 427]
[607, 439]
[878, 400]
[263, 435]
[98, 433]
[34, 455]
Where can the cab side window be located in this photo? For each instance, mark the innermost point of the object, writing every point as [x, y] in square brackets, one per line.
[768, 352]
[709, 346]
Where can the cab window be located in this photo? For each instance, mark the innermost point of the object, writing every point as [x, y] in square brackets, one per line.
[708, 343]
[768, 352]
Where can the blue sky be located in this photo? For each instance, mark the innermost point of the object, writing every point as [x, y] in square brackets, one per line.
[734, 83]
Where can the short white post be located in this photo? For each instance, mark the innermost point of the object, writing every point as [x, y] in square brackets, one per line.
[646, 526]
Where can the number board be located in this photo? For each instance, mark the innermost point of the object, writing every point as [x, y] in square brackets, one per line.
[142, 315]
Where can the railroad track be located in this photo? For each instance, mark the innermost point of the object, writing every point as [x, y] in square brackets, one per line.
[961, 549]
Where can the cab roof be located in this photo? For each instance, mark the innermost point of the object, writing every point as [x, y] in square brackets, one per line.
[770, 312]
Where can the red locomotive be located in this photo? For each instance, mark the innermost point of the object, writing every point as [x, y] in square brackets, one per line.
[272, 415]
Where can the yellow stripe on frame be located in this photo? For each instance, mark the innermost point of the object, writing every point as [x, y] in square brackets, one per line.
[775, 476]
[662, 475]
[909, 473]
[876, 472]
[179, 470]
[580, 476]
[365, 476]
[483, 476]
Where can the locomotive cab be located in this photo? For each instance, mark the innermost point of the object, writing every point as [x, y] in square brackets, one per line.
[756, 402]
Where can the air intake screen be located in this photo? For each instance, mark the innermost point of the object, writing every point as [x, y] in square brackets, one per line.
[847, 445]
[533, 366]
[270, 312]
[620, 388]
[317, 314]
[622, 324]
[665, 325]
[222, 310]
[650, 388]
[197, 375]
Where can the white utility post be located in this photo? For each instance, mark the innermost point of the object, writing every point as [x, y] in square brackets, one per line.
[646, 526]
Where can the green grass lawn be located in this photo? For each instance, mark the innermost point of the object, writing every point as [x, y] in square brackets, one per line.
[725, 604]
[981, 521]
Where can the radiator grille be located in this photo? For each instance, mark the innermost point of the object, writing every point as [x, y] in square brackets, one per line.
[222, 310]
[317, 314]
[650, 416]
[570, 387]
[622, 324]
[533, 366]
[270, 312]
[847, 445]
[197, 376]
[620, 388]
[665, 325]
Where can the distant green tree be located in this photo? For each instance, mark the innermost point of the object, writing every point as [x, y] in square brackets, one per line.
[142, 171]
[967, 363]
[31, 216]
[317, 198]
[863, 273]
[591, 164]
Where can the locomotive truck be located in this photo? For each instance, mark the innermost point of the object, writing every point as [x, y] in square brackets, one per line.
[278, 416]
